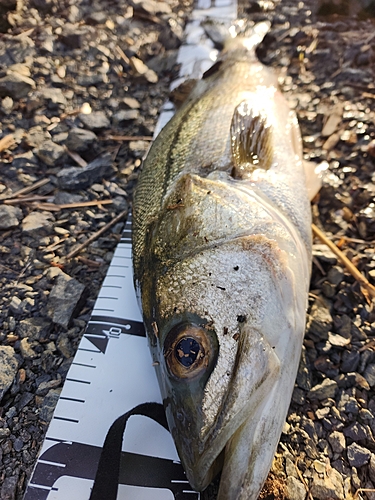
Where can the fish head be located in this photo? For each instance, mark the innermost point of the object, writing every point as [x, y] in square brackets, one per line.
[225, 323]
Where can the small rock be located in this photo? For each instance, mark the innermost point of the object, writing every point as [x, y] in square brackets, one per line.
[324, 254]
[50, 152]
[75, 37]
[131, 103]
[151, 7]
[295, 489]
[38, 224]
[357, 455]
[298, 396]
[350, 406]
[34, 328]
[125, 115]
[350, 361]
[49, 403]
[356, 432]
[76, 178]
[80, 140]
[341, 465]
[335, 275]
[327, 389]
[15, 305]
[304, 372]
[371, 468]
[7, 105]
[64, 198]
[9, 488]
[53, 96]
[8, 368]
[338, 340]
[95, 121]
[44, 387]
[138, 148]
[319, 323]
[369, 375]
[65, 299]
[9, 216]
[19, 307]
[64, 345]
[36, 136]
[96, 18]
[329, 487]
[26, 348]
[143, 70]
[16, 86]
[365, 414]
[337, 441]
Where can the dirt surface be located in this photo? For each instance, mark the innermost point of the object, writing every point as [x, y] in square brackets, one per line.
[81, 85]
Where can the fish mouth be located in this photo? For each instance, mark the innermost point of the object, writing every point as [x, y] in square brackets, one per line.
[204, 452]
[219, 453]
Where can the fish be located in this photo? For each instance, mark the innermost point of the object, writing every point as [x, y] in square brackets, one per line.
[222, 263]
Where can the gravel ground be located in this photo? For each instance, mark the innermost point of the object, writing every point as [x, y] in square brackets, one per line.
[81, 84]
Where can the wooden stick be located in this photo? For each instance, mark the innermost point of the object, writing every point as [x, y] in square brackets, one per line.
[96, 235]
[125, 138]
[28, 189]
[360, 490]
[123, 56]
[347, 263]
[77, 158]
[83, 204]
[25, 199]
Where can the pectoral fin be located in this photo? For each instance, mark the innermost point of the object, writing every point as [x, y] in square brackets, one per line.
[251, 145]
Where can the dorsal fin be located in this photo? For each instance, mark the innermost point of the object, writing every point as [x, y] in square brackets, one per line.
[251, 145]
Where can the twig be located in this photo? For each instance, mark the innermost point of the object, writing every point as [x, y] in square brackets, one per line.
[54, 207]
[319, 266]
[96, 235]
[52, 247]
[89, 262]
[365, 284]
[367, 346]
[74, 112]
[303, 480]
[25, 199]
[6, 142]
[360, 491]
[125, 138]
[349, 240]
[28, 189]
[123, 56]
[78, 159]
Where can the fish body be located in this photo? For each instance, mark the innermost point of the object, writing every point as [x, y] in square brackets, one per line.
[222, 252]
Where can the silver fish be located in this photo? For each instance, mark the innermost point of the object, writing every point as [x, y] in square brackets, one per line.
[222, 252]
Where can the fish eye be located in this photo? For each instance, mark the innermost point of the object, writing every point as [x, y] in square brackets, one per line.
[187, 350]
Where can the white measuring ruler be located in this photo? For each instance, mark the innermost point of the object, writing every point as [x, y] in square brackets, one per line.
[112, 370]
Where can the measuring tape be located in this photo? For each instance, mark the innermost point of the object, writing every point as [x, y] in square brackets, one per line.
[112, 370]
